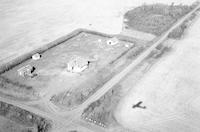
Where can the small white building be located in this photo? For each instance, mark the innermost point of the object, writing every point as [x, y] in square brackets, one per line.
[112, 41]
[36, 56]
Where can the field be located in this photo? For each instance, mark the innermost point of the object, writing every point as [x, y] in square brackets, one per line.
[156, 18]
[170, 92]
[14, 119]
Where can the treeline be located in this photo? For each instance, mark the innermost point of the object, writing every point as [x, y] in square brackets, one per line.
[156, 18]
[24, 117]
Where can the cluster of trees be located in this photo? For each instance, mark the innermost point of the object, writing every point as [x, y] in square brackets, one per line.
[24, 117]
[155, 18]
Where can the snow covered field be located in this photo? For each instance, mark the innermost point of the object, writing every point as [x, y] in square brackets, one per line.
[170, 91]
[26, 25]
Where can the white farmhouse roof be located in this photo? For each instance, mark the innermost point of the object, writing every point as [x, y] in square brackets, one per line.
[77, 64]
[26, 71]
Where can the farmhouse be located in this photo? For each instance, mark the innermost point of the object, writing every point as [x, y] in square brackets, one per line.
[77, 64]
[26, 71]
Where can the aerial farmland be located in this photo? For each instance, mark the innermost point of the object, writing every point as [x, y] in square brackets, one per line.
[141, 76]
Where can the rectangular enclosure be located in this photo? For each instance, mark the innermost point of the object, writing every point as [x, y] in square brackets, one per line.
[68, 70]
